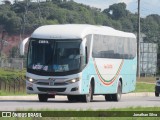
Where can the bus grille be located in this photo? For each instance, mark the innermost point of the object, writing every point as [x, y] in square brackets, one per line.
[51, 89]
[42, 83]
[55, 84]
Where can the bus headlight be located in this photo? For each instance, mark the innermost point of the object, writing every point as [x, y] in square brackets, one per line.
[73, 80]
[30, 79]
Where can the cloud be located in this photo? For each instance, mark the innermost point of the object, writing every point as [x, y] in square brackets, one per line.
[103, 4]
[125, 1]
[155, 3]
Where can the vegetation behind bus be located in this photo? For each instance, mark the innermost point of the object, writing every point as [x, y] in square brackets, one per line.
[58, 12]
[12, 82]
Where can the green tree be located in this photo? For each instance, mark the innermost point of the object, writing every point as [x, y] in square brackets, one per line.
[107, 22]
[13, 53]
[126, 25]
[116, 11]
[151, 29]
[116, 25]
[133, 20]
[10, 21]
[61, 12]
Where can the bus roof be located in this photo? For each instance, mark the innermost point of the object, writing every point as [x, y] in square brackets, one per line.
[76, 31]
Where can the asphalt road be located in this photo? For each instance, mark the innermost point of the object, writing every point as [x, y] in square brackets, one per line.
[12, 103]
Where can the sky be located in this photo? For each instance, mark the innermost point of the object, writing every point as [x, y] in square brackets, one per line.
[147, 6]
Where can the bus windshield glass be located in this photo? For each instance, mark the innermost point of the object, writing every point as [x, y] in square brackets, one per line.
[54, 55]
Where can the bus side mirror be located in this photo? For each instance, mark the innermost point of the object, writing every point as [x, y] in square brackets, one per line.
[22, 46]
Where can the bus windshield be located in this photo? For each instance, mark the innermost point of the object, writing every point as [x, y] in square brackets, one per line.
[54, 55]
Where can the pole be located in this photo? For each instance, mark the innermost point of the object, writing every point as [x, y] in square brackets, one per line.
[138, 41]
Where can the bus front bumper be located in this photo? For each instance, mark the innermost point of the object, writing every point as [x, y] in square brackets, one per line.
[70, 89]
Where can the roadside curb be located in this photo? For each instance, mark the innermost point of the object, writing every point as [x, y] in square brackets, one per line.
[27, 97]
[139, 94]
[35, 97]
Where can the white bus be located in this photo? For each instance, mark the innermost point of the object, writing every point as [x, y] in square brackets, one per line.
[79, 61]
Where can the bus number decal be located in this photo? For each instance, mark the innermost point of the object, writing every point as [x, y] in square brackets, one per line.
[108, 66]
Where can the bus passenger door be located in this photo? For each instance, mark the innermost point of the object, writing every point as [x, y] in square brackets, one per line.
[84, 67]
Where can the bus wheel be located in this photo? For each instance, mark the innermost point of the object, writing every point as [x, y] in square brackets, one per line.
[43, 97]
[156, 94]
[72, 98]
[88, 97]
[117, 96]
[108, 97]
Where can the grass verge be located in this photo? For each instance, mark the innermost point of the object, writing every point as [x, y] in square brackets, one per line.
[144, 87]
[147, 79]
[7, 93]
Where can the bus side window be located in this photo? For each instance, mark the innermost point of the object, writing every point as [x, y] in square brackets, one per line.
[88, 46]
[86, 55]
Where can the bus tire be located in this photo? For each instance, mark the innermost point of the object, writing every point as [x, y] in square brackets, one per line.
[88, 97]
[156, 94]
[43, 97]
[108, 97]
[72, 98]
[117, 96]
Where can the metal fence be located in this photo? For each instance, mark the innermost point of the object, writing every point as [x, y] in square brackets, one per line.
[148, 59]
[13, 86]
